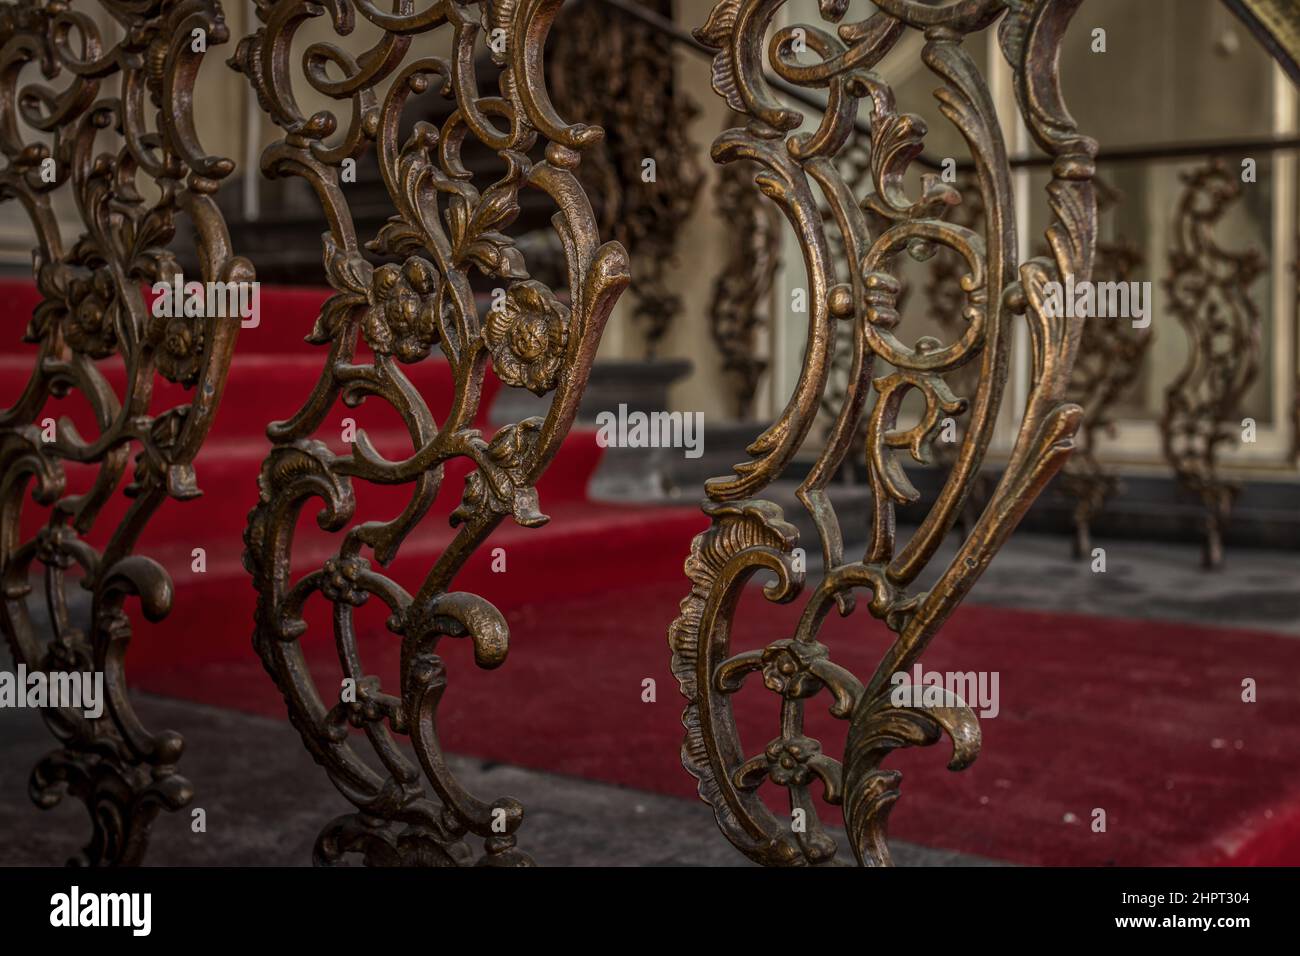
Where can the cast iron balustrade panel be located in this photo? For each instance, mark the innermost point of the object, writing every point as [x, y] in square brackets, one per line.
[860, 286]
[1210, 293]
[135, 97]
[446, 241]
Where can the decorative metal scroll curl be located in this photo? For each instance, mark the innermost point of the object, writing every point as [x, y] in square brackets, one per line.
[94, 313]
[444, 229]
[1209, 292]
[750, 534]
[854, 166]
[946, 298]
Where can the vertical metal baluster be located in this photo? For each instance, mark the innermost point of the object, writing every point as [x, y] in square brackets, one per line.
[750, 534]
[139, 94]
[1111, 353]
[446, 229]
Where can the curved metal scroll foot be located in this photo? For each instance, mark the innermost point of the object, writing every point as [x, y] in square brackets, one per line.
[122, 798]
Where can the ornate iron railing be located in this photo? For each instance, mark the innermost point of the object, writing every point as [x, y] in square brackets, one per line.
[1209, 292]
[945, 298]
[750, 534]
[620, 73]
[443, 229]
[137, 92]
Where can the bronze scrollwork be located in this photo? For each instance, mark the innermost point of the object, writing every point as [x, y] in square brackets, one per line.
[1209, 292]
[445, 229]
[945, 297]
[750, 534]
[94, 312]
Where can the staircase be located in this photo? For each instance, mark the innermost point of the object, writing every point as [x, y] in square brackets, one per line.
[1201, 779]
[587, 547]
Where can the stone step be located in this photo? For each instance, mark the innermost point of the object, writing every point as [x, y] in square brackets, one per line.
[641, 385]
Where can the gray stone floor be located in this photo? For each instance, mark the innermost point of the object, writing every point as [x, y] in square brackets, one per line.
[1257, 589]
[265, 799]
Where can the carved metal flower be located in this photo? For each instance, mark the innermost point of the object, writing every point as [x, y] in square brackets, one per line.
[788, 760]
[54, 546]
[527, 336]
[402, 319]
[367, 709]
[92, 308]
[340, 582]
[180, 352]
[786, 668]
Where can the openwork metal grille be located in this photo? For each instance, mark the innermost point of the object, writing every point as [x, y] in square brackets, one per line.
[750, 534]
[854, 165]
[1209, 292]
[444, 231]
[116, 127]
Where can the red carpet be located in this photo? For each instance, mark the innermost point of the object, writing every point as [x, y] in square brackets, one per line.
[1141, 719]
[272, 374]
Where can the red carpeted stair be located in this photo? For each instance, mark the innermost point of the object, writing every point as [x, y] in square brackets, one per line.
[272, 374]
[1142, 719]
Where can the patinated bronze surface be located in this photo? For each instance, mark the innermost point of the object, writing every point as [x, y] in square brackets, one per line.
[1277, 25]
[1295, 344]
[750, 534]
[854, 166]
[1209, 292]
[945, 299]
[445, 230]
[117, 120]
